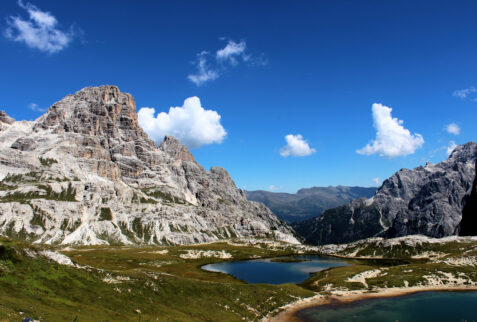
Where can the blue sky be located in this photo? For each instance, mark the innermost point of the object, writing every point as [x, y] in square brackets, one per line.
[307, 70]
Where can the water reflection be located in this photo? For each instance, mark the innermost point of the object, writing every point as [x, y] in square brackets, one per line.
[275, 272]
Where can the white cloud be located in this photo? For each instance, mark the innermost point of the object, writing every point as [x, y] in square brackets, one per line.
[40, 31]
[272, 188]
[392, 139]
[204, 72]
[450, 147]
[296, 146]
[211, 67]
[36, 108]
[193, 125]
[377, 181]
[231, 51]
[453, 128]
[464, 93]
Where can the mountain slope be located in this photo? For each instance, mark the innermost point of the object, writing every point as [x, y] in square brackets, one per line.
[85, 172]
[427, 200]
[468, 225]
[309, 202]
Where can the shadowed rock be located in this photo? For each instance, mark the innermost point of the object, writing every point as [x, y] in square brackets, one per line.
[426, 200]
[468, 225]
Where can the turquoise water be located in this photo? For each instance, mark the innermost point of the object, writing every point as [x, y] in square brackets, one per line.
[422, 307]
[266, 271]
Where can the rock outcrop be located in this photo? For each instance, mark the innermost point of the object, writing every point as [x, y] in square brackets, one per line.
[427, 200]
[85, 172]
[468, 225]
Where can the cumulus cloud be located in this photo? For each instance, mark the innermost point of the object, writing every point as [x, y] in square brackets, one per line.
[296, 147]
[453, 128]
[204, 72]
[392, 139]
[210, 67]
[192, 124]
[450, 147]
[377, 181]
[464, 93]
[36, 108]
[39, 31]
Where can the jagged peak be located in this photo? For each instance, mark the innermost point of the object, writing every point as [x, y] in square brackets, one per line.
[101, 88]
[93, 111]
[4, 118]
[106, 95]
[175, 149]
[103, 93]
[464, 151]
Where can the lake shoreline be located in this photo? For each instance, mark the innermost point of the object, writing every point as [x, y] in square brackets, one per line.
[275, 272]
[288, 312]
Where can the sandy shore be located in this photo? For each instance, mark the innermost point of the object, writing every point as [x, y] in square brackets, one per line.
[288, 312]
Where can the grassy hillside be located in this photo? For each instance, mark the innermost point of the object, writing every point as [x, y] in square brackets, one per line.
[413, 261]
[112, 283]
[133, 284]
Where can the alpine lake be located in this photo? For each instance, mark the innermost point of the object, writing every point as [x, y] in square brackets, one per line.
[424, 306]
[279, 270]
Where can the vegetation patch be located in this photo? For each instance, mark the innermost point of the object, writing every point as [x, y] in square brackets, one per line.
[126, 232]
[67, 194]
[105, 214]
[148, 200]
[68, 225]
[47, 162]
[122, 281]
[164, 196]
[226, 202]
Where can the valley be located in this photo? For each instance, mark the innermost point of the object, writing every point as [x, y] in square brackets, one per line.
[100, 223]
[168, 282]
[238, 161]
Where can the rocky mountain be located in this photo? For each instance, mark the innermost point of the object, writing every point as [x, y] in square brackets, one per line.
[427, 200]
[308, 202]
[468, 225]
[86, 173]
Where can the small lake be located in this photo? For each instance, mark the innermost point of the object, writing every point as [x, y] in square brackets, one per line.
[422, 307]
[271, 272]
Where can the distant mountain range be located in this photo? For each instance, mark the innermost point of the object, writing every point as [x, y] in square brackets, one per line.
[435, 200]
[308, 202]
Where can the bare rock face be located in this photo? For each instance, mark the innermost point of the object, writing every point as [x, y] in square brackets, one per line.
[5, 121]
[426, 200]
[4, 118]
[102, 123]
[85, 172]
[173, 147]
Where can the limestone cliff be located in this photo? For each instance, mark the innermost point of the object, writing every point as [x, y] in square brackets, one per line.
[85, 172]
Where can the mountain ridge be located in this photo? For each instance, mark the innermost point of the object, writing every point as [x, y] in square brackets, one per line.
[85, 172]
[308, 202]
[427, 200]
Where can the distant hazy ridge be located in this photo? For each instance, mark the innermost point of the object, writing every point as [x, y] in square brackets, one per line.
[308, 202]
